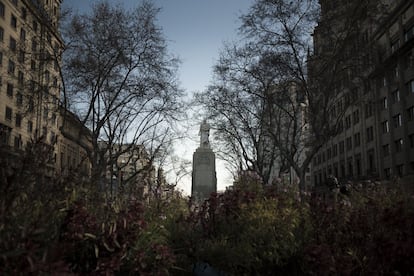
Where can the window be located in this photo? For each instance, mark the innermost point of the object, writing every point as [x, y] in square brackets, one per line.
[13, 21]
[399, 169]
[348, 121]
[411, 139]
[34, 45]
[335, 150]
[47, 76]
[19, 99]
[1, 34]
[9, 89]
[341, 147]
[34, 26]
[30, 104]
[44, 132]
[409, 33]
[340, 126]
[410, 113]
[18, 120]
[396, 72]
[1, 59]
[22, 35]
[396, 96]
[357, 139]
[33, 65]
[2, 9]
[410, 86]
[358, 164]
[368, 110]
[397, 120]
[11, 67]
[9, 113]
[329, 153]
[14, 2]
[24, 13]
[29, 126]
[385, 127]
[398, 145]
[371, 160]
[13, 44]
[394, 45]
[52, 137]
[20, 77]
[21, 56]
[350, 167]
[348, 143]
[409, 60]
[387, 172]
[384, 103]
[18, 142]
[45, 113]
[53, 118]
[356, 116]
[370, 134]
[386, 150]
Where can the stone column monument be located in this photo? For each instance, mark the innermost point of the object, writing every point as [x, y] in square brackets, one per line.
[204, 180]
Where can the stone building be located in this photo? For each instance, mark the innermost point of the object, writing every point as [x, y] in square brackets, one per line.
[30, 48]
[290, 132]
[376, 135]
[73, 145]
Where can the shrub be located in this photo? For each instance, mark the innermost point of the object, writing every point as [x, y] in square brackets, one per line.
[245, 232]
[371, 232]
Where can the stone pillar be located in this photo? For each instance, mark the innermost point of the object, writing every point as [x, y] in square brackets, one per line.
[204, 173]
[204, 180]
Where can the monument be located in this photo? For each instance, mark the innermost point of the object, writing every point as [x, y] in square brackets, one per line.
[204, 181]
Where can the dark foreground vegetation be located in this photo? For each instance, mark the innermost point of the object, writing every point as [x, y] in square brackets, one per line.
[65, 227]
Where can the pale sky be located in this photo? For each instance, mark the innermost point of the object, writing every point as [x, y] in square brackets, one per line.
[195, 31]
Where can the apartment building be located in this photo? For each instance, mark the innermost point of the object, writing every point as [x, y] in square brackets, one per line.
[30, 48]
[375, 139]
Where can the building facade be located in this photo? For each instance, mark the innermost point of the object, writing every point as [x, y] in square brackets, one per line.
[375, 137]
[30, 48]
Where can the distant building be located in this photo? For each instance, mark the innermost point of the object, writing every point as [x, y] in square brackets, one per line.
[129, 169]
[376, 137]
[276, 166]
[73, 145]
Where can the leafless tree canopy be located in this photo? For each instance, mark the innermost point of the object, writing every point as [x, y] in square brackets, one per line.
[274, 99]
[120, 80]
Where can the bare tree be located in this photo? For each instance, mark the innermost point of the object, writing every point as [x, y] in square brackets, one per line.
[278, 93]
[121, 82]
[237, 103]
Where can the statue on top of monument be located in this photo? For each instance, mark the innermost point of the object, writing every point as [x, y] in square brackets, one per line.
[204, 134]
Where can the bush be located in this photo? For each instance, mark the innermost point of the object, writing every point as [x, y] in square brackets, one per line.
[371, 232]
[244, 232]
[66, 227]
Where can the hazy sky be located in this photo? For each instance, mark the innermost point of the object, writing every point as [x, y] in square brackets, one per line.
[195, 31]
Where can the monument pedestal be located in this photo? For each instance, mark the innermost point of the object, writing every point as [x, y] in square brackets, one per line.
[204, 181]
